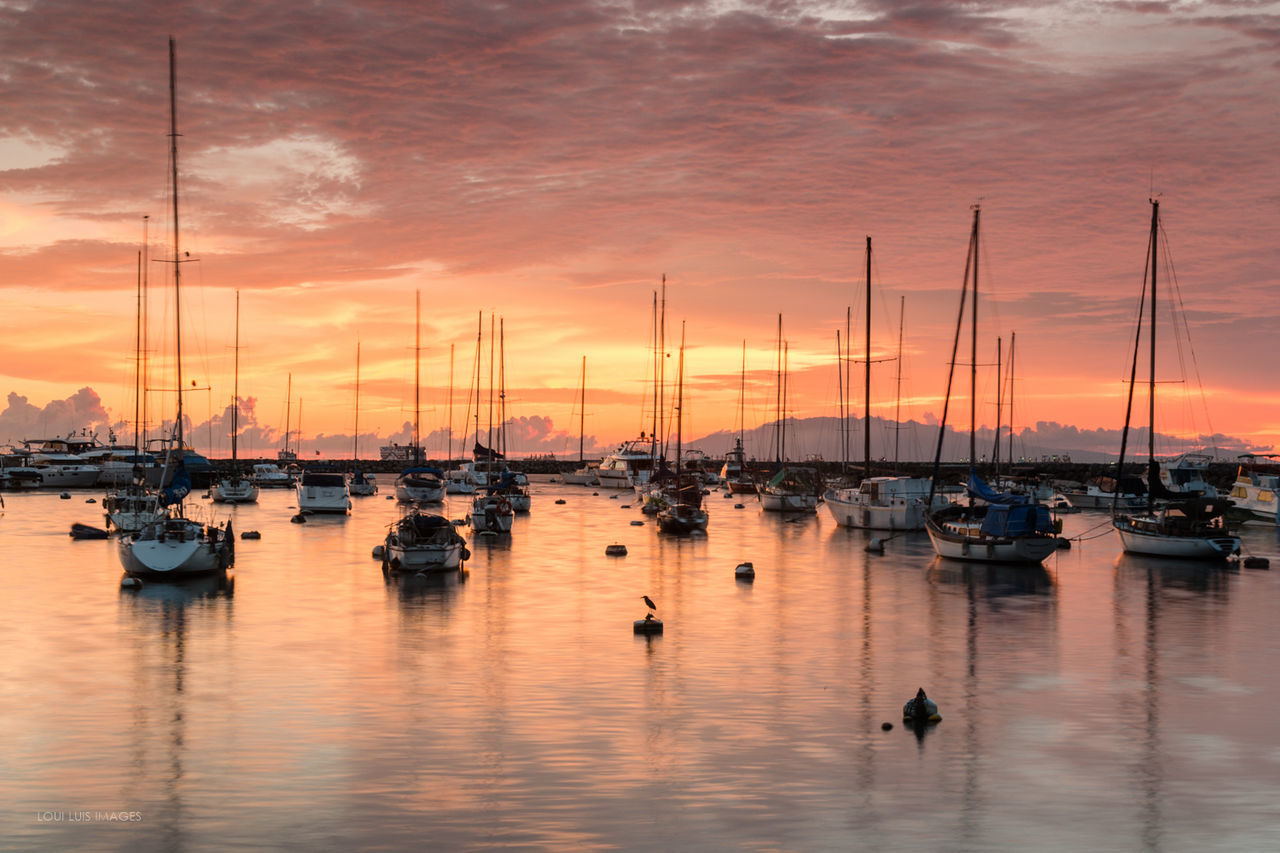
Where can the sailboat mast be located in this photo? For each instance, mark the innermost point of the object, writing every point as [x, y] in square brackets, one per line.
[680, 414]
[777, 432]
[479, 335]
[355, 442]
[502, 386]
[288, 403]
[973, 347]
[144, 328]
[582, 412]
[844, 417]
[417, 386]
[177, 252]
[662, 367]
[1013, 340]
[449, 427]
[1151, 381]
[995, 450]
[866, 399]
[657, 358]
[235, 387]
[742, 392]
[137, 369]
[897, 394]
[488, 466]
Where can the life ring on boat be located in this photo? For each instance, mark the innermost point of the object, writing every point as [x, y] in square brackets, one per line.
[504, 506]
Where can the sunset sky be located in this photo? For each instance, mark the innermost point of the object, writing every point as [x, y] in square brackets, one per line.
[549, 162]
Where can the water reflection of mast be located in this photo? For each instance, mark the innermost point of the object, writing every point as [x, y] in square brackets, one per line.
[171, 606]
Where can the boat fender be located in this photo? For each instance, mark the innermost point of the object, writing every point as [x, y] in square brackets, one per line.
[466, 555]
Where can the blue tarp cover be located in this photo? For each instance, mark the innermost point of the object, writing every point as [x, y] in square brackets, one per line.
[979, 489]
[1016, 520]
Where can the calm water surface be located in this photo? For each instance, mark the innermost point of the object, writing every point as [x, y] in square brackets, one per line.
[1104, 702]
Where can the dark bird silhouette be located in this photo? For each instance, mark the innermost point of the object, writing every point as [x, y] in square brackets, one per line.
[649, 601]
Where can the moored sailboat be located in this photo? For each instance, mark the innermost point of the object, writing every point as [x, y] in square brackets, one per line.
[683, 512]
[1175, 524]
[176, 546]
[235, 487]
[998, 527]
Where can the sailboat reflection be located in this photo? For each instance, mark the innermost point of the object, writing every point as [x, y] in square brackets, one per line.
[164, 617]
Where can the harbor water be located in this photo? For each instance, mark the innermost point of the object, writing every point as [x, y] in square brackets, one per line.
[304, 702]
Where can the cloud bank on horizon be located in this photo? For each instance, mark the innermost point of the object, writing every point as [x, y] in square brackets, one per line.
[550, 161]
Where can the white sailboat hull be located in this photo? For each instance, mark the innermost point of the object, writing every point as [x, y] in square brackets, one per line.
[1182, 547]
[182, 550]
[492, 515]
[963, 540]
[781, 502]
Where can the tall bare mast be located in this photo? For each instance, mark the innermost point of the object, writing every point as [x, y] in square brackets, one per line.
[235, 388]
[449, 427]
[177, 249]
[582, 412]
[866, 411]
[973, 347]
[355, 429]
[417, 359]
[897, 394]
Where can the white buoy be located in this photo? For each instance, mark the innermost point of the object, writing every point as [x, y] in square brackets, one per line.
[745, 572]
[129, 582]
[876, 545]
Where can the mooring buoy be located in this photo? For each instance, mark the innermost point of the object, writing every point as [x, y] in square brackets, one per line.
[1256, 563]
[130, 582]
[299, 519]
[648, 625]
[251, 534]
[745, 572]
[559, 500]
[616, 550]
[637, 523]
[379, 551]
[876, 545]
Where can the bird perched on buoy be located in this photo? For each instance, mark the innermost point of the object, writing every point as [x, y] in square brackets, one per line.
[649, 624]
[921, 709]
[649, 602]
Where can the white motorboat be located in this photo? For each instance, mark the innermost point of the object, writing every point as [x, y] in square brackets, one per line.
[630, 465]
[323, 491]
[584, 476]
[1256, 487]
[884, 503]
[64, 471]
[423, 542]
[267, 475]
